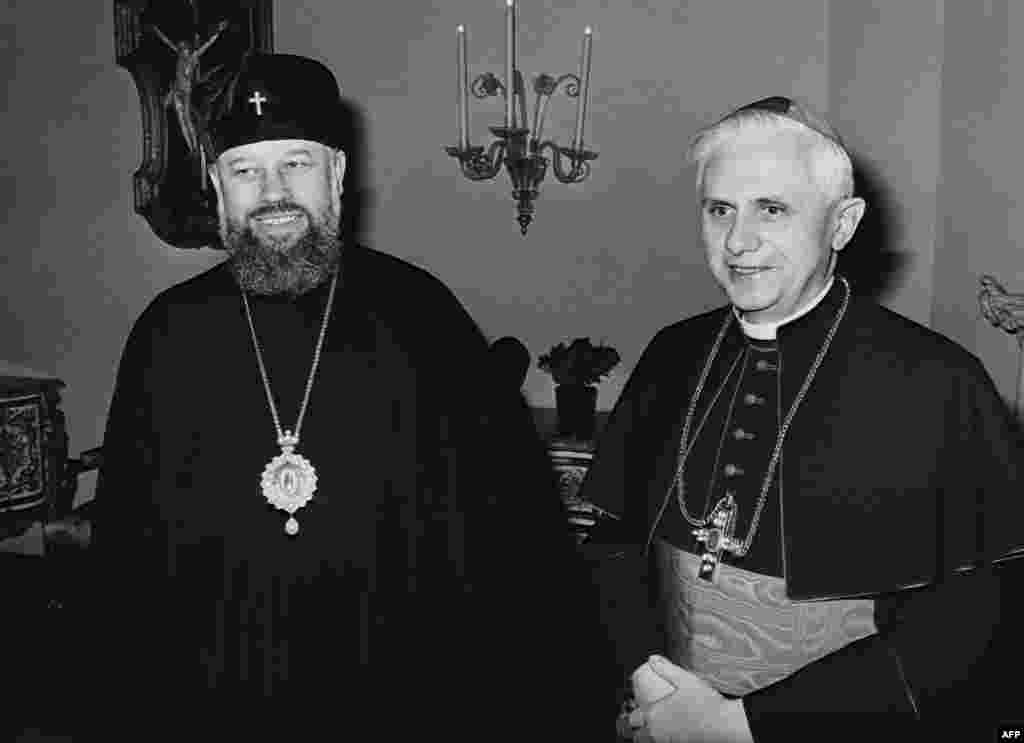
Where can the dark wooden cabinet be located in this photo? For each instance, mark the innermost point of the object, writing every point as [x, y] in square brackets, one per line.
[33, 452]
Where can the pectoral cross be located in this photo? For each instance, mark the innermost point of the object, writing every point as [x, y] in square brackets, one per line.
[258, 100]
[718, 538]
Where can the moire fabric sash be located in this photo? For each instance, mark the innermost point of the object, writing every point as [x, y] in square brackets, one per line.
[741, 633]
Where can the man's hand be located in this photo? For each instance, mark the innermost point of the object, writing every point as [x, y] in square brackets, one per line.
[694, 713]
[649, 686]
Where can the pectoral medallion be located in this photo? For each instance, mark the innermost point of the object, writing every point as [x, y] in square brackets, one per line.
[289, 481]
[718, 538]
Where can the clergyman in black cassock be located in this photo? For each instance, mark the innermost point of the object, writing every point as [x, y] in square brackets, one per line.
[394, 598]
[864, 470]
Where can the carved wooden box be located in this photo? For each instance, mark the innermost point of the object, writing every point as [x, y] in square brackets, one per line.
[33, 449]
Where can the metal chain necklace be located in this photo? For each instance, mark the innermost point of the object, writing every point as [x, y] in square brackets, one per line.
[723, 515]
[289, 480]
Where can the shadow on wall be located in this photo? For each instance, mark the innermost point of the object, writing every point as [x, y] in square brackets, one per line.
[870, 261]
[357, 199]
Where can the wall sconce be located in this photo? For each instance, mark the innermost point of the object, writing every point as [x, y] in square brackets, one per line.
[518, 144]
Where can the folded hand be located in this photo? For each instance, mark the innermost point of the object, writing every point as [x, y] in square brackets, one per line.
[693, 712]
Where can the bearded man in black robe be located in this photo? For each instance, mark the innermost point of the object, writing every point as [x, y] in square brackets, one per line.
[311, 512]
[816, 497]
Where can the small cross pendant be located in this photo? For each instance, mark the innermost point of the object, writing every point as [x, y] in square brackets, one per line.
[717, 538]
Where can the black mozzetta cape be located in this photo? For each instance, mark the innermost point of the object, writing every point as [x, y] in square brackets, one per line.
[900, 480]
[403, 608]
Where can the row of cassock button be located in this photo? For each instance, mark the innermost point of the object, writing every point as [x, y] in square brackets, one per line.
[750, 398]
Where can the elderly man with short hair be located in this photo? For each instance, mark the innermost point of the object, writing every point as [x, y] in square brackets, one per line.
[811, 489]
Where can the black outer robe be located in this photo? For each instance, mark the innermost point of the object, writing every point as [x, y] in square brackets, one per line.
[901, 476]
[409, 605]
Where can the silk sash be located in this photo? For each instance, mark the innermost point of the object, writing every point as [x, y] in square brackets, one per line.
[741, 633]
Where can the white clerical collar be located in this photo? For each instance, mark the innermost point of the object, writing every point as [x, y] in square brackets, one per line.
[767, 331]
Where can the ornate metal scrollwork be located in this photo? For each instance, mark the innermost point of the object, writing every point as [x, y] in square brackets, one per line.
[520, 149]
[1005, 310]
[486, 85]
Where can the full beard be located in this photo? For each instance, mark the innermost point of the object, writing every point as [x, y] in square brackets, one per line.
[283, 265]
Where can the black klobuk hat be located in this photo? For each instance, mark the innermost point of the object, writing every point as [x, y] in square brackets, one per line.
[281, 96]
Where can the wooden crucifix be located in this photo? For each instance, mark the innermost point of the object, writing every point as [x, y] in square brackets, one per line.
[183, 55]
[187, 77]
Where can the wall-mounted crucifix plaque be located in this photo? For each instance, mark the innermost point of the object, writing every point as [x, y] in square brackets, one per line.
[183, 55]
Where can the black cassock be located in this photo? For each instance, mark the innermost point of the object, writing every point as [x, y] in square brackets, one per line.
[430, 588]
[899, 481]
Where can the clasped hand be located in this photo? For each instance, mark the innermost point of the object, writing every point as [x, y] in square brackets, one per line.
[677, 706]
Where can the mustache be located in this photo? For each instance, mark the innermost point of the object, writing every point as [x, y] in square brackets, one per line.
[280, 207]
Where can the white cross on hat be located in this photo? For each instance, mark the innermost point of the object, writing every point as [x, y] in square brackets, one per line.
[258, 100]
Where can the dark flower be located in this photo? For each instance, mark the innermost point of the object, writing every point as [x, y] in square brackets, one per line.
[579, 363]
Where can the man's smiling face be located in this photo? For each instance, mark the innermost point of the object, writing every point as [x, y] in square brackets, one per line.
[278, 188]
[766, 223]
[279, 203]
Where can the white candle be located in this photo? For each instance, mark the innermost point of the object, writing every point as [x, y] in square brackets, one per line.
[510, 62]
[581, 104]
[463, 82]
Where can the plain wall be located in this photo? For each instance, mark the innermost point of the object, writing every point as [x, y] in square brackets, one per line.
[615, 258]
[885, 82]
[980, 202]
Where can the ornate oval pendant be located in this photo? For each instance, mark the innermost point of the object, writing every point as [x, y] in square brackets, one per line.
[289, 481]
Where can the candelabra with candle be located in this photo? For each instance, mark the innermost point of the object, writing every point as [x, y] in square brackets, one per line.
[519, 145]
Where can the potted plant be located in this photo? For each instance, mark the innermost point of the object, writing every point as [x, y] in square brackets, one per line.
[576, 369]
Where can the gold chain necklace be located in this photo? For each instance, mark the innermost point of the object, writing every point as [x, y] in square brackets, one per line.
[714, 529]
[289, 480]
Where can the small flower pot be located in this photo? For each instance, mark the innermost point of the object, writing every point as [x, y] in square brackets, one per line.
[576, 405]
